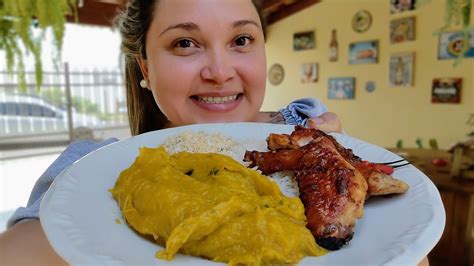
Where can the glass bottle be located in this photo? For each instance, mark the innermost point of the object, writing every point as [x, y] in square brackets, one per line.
[333, 47]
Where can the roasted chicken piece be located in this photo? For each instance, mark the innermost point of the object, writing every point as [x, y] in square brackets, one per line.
[333, 182]
[331, 189]
[379, 182]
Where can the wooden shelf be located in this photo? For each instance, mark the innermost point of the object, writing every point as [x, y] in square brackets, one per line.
[456, 246]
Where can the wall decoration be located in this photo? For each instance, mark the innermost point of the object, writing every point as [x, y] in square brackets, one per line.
[276, 74]
[303, 41]
[365, 52]
[402, 30]
[333, 47]
[309, 72]
[446, 90]
[453, 45]
[457, 12]
[397, 6]
[401, 68]
[341, 88]
[361, 21]
[370, 86]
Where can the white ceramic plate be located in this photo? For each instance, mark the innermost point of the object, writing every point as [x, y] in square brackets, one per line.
[79, 215]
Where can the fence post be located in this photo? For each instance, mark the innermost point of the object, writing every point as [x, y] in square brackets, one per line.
[67, 87]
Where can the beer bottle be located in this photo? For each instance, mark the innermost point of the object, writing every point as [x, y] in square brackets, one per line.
[333, 47]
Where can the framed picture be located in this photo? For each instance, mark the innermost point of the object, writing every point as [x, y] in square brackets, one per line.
[365, 52]
[309, 72]
[446, 90]
[397, 6]
[303, 41]
[341, 88]
[402, 30]
[401, 68]
[276, 74]
[453, 44]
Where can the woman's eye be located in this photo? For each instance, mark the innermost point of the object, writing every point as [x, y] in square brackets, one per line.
[184, 43]
[242, 40]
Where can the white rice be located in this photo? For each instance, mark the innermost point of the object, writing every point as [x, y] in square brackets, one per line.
[204, 142]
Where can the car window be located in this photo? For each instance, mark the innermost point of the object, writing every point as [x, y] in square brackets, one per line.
[2, 108]
[48, 112]
[36, 110]
[23, 109]
[10, 108]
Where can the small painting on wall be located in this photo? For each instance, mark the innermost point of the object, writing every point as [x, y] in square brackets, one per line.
[401, 69]
[303, 41]
[454, 44]
[365, 52]
[402, 30]
[341, 88]
[309, 72]
[397, 6]
[446, 90]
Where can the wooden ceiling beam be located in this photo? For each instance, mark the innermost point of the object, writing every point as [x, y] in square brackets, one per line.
[287, 10]
[102, 12]
[271, 5]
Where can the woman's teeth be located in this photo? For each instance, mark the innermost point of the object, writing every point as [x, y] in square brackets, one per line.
[225, 99]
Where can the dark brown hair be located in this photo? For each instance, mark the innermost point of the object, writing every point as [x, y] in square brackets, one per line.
[133, 23]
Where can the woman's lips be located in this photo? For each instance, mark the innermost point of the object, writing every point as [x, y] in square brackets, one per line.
[217, 103]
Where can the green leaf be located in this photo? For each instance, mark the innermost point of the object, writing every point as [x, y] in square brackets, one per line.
[23, 24]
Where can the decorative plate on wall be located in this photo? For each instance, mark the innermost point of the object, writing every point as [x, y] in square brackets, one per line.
[276, 74]
[361, 21]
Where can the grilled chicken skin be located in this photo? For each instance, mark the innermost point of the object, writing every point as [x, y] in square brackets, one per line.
[331, 189]
[333, 182]
[379, 182]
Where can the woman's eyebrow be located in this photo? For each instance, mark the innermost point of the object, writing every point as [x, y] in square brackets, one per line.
[241, 23]
[189, 26]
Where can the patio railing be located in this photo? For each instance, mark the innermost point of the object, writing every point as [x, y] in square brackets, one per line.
[69, 105]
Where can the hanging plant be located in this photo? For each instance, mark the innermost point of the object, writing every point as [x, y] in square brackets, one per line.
[457, 13]
[23, 24]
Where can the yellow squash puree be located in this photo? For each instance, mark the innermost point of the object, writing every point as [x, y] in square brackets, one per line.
[208, 205]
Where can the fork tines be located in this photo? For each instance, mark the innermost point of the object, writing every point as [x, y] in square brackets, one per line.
[398, 163]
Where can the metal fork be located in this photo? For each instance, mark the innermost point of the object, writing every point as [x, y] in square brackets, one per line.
[396, 164]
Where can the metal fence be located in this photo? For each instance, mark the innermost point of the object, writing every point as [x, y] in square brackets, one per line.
[69, 105]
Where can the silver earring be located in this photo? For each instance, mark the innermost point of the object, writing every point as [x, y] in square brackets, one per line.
[143, 84]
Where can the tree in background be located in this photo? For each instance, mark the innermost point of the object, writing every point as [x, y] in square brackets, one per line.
[23, 25]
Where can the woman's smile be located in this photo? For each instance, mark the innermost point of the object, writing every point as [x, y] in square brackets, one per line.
[217, 103]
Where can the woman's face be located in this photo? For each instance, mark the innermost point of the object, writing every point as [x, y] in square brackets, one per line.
[206, 61]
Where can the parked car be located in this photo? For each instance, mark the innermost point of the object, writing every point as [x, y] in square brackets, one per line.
[24, 114]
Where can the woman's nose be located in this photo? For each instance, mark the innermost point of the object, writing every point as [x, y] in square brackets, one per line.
[218, 68]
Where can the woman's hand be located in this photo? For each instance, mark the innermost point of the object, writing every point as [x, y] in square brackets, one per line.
[327, 122]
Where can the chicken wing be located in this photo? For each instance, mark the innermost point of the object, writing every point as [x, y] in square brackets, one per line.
[379, 182]
[331, 189]
[333, 182]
